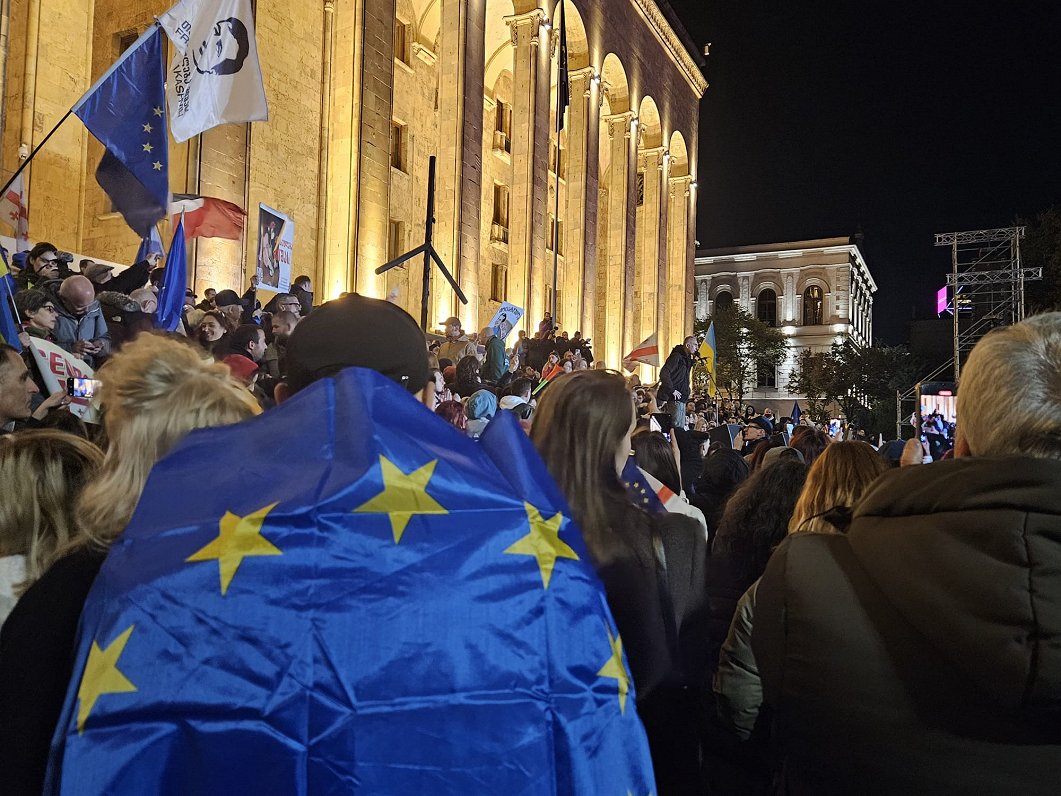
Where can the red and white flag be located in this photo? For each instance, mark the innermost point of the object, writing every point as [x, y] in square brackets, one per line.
[647, 353]
[13, 210]
[207, 217]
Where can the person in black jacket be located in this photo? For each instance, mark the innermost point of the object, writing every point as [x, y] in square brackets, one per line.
[652, 566]
[918, 653]
[674, 380]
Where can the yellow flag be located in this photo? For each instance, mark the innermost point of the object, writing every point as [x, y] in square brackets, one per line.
[707, 356]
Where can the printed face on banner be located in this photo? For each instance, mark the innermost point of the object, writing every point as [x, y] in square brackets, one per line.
[225, 50]
[275, 242]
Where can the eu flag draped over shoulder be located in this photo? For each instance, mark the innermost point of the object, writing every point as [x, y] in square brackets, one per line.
[125, 111]
[387, 608]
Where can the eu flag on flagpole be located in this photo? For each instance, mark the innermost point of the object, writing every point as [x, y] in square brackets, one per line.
[125, 111]
[389, 608]
[8, 326]
[151, 244]
[796, 413]
[174, 283]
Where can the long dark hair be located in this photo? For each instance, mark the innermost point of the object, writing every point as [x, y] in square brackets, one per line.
[656, 457]
[579, 425]
[757, 514]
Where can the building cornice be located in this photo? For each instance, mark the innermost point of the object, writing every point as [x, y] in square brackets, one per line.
[672, 44]
[850, 250]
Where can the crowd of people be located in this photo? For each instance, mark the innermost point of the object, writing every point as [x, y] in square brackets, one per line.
[800, 611]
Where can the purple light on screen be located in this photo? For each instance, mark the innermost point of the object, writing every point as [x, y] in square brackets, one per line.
[941, 301]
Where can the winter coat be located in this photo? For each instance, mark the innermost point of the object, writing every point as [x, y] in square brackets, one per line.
[921, 651]
[456, 349]
[495, 364]
[70, 328]
[674, 375]
[738, 690]
[132, 278]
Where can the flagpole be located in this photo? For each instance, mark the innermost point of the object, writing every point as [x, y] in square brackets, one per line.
[561, 91]
[33, 154]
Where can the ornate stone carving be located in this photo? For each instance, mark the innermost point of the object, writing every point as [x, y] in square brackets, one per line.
[672, 44]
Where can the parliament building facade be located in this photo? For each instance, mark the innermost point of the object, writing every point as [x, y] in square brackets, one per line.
[361, 93]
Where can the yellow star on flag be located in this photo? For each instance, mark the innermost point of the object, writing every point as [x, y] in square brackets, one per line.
[101, 676]
[148, 147]
[240, 537]
[147, 128]
[543, 542]
[158, 111]
[403, 495]
[615, 670]
[157, 166]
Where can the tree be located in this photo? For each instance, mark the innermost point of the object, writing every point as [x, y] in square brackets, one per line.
[861, 380]
[1042, 249]
[743, 345]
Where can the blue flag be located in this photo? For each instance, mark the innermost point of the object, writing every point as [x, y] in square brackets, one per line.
[150, 244]
[174, 283]
[125, 110]
[388, 608]
[8, 327]
[796, 414]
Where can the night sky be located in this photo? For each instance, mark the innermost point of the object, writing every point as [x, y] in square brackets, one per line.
[825, 117]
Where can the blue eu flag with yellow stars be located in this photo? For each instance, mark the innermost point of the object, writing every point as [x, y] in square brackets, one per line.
[125, 110]
[346, 595]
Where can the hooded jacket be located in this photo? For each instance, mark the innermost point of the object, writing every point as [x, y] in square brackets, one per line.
[921, 652]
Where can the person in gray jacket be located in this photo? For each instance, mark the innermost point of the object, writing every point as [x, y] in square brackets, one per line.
[80, 327]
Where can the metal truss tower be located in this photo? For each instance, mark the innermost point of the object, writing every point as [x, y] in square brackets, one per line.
[986, 284]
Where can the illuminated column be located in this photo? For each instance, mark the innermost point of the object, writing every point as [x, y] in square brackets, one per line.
[459, 166]
[703, 289]
[677, 254]
[578, 211]
[529, 165]
[613, 302]
[646, 256]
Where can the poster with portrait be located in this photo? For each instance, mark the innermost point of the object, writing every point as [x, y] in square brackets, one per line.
[506, 317]
[276, 241]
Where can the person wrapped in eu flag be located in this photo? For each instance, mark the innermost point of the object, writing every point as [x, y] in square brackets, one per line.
[350, 596]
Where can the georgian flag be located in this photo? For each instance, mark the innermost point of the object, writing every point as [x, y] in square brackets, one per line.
[215, 77]
[13, 210]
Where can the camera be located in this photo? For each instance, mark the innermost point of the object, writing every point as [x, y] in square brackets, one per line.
[64, 257]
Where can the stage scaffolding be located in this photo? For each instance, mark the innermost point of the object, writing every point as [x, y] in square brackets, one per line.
[986, 284]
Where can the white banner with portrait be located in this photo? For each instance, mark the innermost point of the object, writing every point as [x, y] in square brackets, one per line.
[506, 317]
[276, 241]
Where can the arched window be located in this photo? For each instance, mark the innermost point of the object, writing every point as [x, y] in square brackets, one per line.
[766, 307]
[723, 301]
[813, 306]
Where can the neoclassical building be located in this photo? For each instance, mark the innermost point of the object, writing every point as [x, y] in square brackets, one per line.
[816, 291]
[361, 93]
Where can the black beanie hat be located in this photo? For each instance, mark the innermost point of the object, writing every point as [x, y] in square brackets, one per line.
[355, 331]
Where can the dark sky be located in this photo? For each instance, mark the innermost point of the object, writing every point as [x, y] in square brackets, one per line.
[902, 119]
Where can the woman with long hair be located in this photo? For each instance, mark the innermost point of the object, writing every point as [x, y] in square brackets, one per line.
[835, 483]
[213, 330]
[657, 456]
[723, 471]
[153, 392]
[582, 430]
[43, 473]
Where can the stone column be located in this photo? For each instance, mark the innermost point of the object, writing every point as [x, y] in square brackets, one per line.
[529, 171]
[374, 134]
[790, 315]
[703, 290]
[594, 97]
[677, 235]
[459, 165]
[646, 256]
[630, 327]
[576, 212]
[615, 276]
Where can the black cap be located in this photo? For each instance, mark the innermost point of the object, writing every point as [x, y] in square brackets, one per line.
[227, 298]
[762, 423]
[355, 331]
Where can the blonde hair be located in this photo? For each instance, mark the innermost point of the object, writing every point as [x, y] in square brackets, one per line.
[1027, 358]
[154, 391]
[838, 478]
[43, 473]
